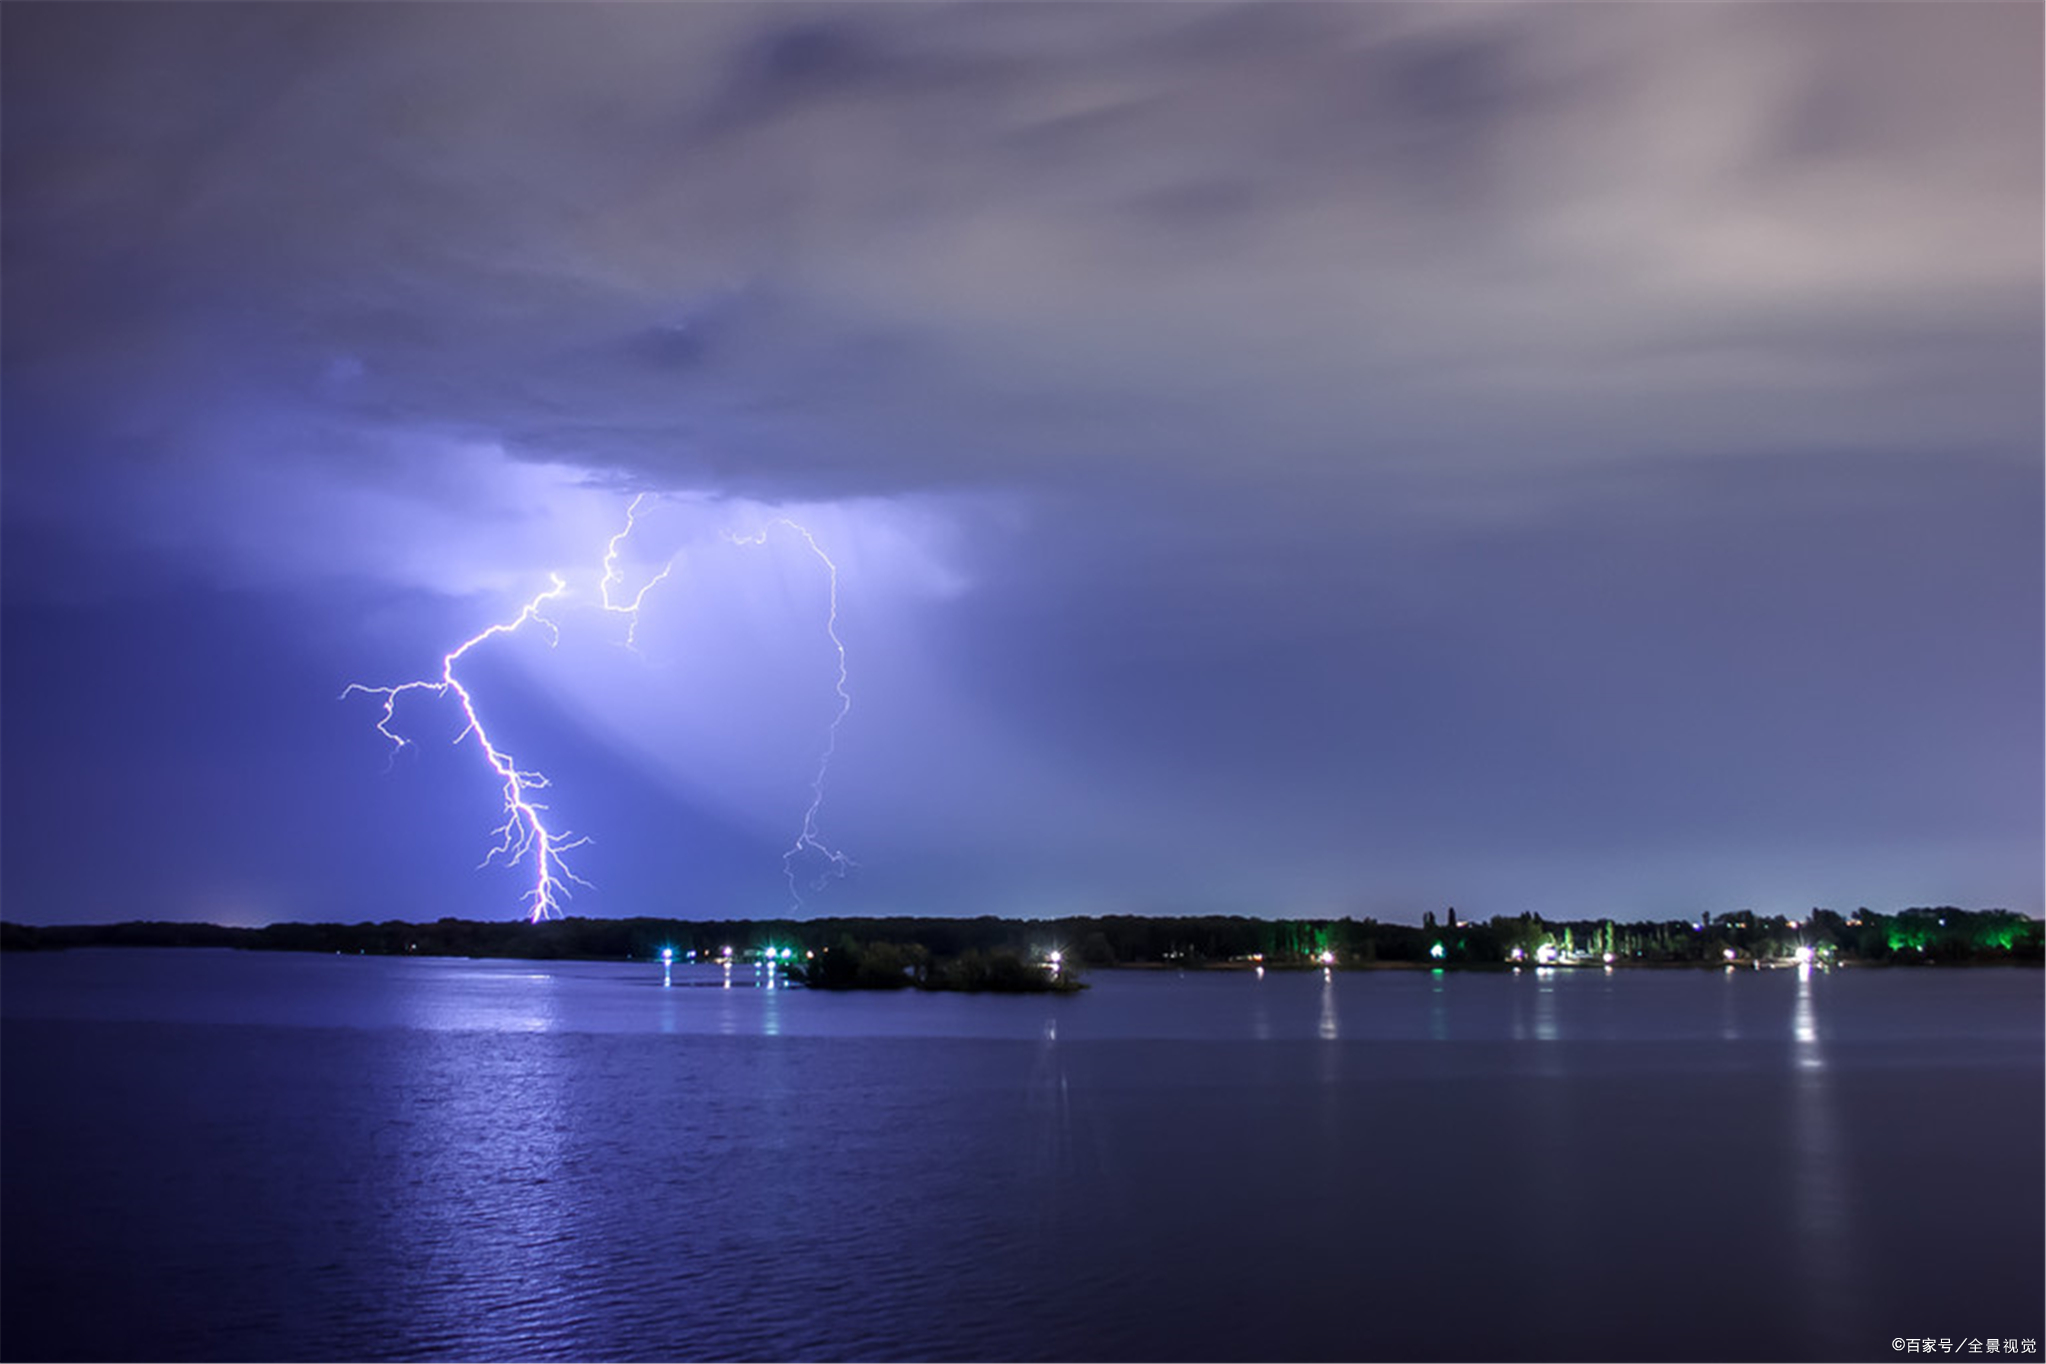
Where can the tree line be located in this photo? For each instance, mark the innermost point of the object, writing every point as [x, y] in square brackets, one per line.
[1913, 936]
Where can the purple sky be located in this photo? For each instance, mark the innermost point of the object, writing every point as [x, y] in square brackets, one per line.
[1288, 460]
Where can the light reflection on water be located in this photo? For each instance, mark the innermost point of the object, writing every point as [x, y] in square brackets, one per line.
[1820, 1160]
[1804, 1025]
[1542, 1004]
[480, 1160]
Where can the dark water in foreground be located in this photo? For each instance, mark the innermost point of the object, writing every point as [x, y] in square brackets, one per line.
[238, 1156]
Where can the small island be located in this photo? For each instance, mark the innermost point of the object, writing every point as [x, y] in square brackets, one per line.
[852, 965]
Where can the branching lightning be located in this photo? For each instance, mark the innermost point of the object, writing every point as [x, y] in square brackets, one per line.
[523, 832]
[807, 838]
[611, 575]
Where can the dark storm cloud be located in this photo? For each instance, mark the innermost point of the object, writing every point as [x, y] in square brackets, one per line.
[1404, 413]
[788, 247]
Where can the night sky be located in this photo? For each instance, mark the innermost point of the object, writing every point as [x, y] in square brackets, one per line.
[1287, 460]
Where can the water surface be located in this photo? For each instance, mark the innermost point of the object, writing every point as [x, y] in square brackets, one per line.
[222, 1155]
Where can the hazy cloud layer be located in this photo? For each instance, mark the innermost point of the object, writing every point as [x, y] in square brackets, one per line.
[1363, 445]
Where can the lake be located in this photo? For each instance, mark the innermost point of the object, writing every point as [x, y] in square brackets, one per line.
[225, 1156]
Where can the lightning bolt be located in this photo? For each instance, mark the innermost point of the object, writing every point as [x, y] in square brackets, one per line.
[612, 575]
[523, 832]
[807, 838]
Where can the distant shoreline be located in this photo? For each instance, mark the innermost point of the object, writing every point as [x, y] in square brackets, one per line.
[976, 953]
